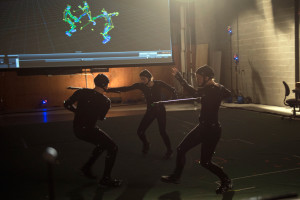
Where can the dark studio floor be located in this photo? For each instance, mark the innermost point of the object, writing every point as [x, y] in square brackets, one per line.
[258, 149]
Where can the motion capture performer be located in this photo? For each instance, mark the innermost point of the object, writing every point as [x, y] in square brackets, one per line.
[91, 106]
[152, 90]
[208, 131]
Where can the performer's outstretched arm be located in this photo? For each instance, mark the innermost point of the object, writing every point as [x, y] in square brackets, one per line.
[184, 83]
[124, 89]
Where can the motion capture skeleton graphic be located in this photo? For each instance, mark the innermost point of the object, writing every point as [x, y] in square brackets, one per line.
[69, 18]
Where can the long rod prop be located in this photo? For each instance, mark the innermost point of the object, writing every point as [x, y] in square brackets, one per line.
[73, 88]
[157, 102]
[176, 100]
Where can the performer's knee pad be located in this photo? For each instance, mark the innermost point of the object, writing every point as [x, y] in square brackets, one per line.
[98, 150]
[206, 164]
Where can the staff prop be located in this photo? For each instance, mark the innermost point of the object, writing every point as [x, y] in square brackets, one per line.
[175, 101]
[73, 88]
[78, 88]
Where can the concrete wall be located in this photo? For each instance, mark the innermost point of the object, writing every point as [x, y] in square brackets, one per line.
[262, 36]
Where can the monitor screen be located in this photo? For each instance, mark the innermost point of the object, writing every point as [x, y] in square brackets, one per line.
[84, 33]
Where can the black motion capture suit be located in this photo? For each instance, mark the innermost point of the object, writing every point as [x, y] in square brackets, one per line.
[92, 106]
[207, 132]
[152, 94]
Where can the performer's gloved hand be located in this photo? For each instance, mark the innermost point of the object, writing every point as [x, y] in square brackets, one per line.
[178, 76]
[174, 71]
[198, 100]
[156, 104]
[175, 96]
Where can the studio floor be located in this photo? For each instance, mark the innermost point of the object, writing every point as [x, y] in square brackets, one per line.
[258, 149]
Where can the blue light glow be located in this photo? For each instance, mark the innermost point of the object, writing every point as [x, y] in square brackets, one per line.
[45, 117]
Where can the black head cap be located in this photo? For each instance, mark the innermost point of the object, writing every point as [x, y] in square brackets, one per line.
[205, 71]
[101, 80]
[146, 73]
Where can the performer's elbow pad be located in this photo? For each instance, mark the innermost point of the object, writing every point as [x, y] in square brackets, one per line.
[69, 106]
[66, 104]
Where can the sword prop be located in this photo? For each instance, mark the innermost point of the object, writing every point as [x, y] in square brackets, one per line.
[77, 88]
[73, 88]
[175, 101]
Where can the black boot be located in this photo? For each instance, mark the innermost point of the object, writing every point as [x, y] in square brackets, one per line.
[225, 186]
[86, 169]
[87, 172]
[170, 179]
[109, 182]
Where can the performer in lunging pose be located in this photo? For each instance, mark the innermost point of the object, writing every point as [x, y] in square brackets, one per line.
[208, 131]
[152, 90]
[91, 106]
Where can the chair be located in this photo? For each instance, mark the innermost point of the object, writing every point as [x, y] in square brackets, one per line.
[293, 103]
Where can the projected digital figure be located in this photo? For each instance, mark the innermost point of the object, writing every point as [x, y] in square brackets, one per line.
[108, 25]
[72, 20]
[86, 11]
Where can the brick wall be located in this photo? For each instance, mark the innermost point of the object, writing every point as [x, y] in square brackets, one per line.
[263, 37]
[265, 43]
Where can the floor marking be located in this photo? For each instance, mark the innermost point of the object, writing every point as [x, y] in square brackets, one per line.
[267, 173]
[236, 190]
[240, 140]
[296, 156]
[242, 189]
[189, 123]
